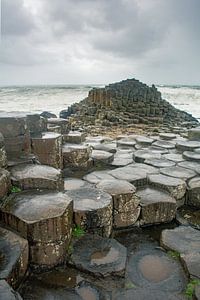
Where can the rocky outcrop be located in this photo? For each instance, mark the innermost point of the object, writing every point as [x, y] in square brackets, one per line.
[126, 102]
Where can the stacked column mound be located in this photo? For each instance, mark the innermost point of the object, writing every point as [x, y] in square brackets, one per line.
[126, 102]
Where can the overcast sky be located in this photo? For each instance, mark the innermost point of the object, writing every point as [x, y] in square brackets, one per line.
[99, 41]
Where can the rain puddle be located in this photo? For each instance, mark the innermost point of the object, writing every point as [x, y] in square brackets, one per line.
[105, 256]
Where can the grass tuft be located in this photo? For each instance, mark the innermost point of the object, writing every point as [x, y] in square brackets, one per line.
[189, 292]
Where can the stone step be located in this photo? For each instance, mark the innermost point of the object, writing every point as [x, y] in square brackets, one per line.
[159, 162]
[164, 144]
[174, 157]
[74, 137]
[75, 155]
[192, 165]
[108, 147]
[194, 134]
[178, 172]
[141, 155]
[63, 123]
[187, 145]
[5, 183]
[14, 254]
[45, 219]
[99, 256]
[96, 176]
[122, 158]
[93, 210]
[193, 156]
[167, 136]
[75, 183]
[144, 141]
[194, 192]
[157, 206]
[29, 176]
[48, 148]
[7, 293]
[126, 208]
[102, 157]
[126, 142]
[175, 186]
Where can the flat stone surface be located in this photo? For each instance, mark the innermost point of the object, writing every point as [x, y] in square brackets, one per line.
[14, 255]
[125, 201]
[75, 183]
[174, 157]
[183, 239]
[30, 176]
[7, 293]
[187, 145]
[159, 163]
[122, 159]
[5, 183]
[100, 156]
[192, 165]
[178, 172]
[194, 192]
[97, 176]
[154, 269]
[108, 147]
[126, 142]
[164, 144]
[175, 186]
[194, 134]
[191, 262]
[75, 137]
[156, 206]
[92, 208]
[75, 154]
[135, 176]
[157, 149]
[141, 155]
[144, 140]
[193, 156]
[100, 256]
[144, 294]
[167, 136]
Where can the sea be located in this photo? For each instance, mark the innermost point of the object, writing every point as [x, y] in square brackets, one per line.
[55, 98]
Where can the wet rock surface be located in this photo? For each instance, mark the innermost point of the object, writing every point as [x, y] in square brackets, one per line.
[29, 176]
[14, 254]
[99, 256]
[156, 206]
[7, 293]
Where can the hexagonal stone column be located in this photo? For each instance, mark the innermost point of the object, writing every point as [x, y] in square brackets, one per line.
[178, 172]
[194, 192]
[14, 255]
[141, 155]
[93, 210]
[3, 155]
[5, 182]
[187, 145]
[37, 177]
[75, 155]
[7, 293]
[62, 123]
[74, 137]
[156, 206]
[99, 256]
[175, 186]
[193, 156]
[167, 136]
[48, 149]
[45, 219]
[164, 144]
[126, 208]
[102, 158]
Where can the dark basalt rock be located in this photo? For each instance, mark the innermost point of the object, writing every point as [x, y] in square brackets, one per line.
[47, 115]
[144, 294]
[178, 172]
[14, 255]
[194, 192]
[7, 293]
[92, 209]
[188, 215]
[37, 177]
[153, 269]
[63, 123]
[89, 291]
[156, 206]
[100, 256]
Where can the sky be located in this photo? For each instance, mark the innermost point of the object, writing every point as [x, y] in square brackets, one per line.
[99, 41]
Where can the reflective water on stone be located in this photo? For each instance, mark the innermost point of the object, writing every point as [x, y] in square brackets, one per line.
[87, 293]
[105, 256]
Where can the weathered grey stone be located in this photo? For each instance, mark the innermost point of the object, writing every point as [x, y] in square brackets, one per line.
[74, 184]
[193, 156]
[45, 219]
[178, 172]
[122, 158]
[96, 176]
[141, 155]
[151, 268]
[125, 202]
[17, 146]
[159, 163]
[194, 192]
[191, 262]
[5, 183]
[74, 137]
[102, 157]
[157, 149]
[192, 165]
[197, 292]
[48, 149]
[75, 155]
[126, 142]
[156, 206]
[167, 135]
[99, 256]
[108, 147]
[164, 144]
[63, 123]
[14, 255]
[188, 215]
[183, 239]
[175, 186]
[12, 125]
[92, 209]
[144, 141]
[174, 157]
[187, 145]
[194, 134]
[7, 293]
[29, 176]
[3, 158]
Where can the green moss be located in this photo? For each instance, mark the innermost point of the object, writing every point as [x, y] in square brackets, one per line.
[189, 292]
[129, 285]
[173, 254]
[78, 232]
[15, 189]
